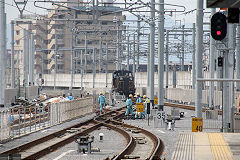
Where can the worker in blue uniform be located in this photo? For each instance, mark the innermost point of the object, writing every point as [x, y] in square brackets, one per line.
[129, 106]
[139, 100]
[70, 97]
[101, 100]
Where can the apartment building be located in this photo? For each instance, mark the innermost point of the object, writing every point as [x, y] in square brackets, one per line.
[64, 34]
[38, 28]
[83, 27]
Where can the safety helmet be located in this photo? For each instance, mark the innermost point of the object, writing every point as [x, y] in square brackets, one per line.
[130, 95]
[144, 96]
[138, 94]
[101, 93]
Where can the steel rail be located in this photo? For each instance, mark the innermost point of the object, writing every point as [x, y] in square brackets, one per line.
[102, 120]
[187, 107]
[157, 143]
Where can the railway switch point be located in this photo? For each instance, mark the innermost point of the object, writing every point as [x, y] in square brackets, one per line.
[181, 114]
[84, 143]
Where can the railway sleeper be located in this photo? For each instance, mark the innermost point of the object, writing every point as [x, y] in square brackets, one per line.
[136, 131]
[141, 141]
[139, 138]
[131, 157]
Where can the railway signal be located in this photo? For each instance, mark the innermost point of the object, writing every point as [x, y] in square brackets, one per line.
[233, 15]
[218, 26]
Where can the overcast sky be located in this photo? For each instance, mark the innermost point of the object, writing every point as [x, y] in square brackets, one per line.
[12, 12]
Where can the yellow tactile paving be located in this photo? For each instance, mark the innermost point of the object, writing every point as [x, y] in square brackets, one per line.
[219, 147]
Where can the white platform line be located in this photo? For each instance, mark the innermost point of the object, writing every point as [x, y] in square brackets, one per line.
[63, 154]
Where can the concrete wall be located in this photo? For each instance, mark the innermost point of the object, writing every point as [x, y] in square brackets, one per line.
[32, 92]
[184, 80]
[10, 95]
[64, 111]
[188, 95]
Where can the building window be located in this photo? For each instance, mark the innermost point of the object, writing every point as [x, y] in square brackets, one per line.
[17, 32]
[17, 42]
[104, 22]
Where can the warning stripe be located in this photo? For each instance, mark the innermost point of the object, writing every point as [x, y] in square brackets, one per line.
[219, 147]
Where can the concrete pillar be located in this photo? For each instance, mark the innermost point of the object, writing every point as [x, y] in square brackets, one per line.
[199, 52]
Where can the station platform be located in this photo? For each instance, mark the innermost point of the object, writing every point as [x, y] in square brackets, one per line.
[207, 146]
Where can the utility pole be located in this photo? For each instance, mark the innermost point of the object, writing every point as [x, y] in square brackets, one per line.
[238, 57]
[94, 66]
[55, 56]
[71, 85]
[193, 57]
[128, 52]
[167, 52]
[134, 58]
[42, 57]
[18, 74]
[212, 64]
[12, 56]
[199, 51]
[26, 61]
[138, 42]
[183, 45]
[148, 66]
[2, 51]
[31, 60]
[152, 49]
[118, 52]
[161, 55]
[100, 51]
[227, 86]
[86, 51]
[81, 71]
[106, 65]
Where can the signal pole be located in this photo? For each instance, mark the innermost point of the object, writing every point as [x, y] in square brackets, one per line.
[193, 57]
[161, 55]
[2, 51]
[199, 51]
[238, 57]
[152, 49]
[12, 56]
[212, 65]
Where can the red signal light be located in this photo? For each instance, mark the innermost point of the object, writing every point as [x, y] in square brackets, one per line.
[219, 33]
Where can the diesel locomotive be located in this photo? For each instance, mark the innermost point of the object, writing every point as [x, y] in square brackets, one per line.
[123, 82]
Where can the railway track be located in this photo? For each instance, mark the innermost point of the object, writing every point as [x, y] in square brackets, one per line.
[136, 138]
[187, 107]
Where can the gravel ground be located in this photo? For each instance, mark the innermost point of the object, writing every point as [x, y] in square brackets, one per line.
[169, 137]
[112, 144]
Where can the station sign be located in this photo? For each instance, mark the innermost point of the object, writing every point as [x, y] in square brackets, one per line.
[140, 107]
[155, 100]
[197, 124]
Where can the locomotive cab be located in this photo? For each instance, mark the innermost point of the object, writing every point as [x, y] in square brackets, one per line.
[123, 82]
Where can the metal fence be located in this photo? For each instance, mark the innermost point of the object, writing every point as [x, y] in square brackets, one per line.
[213, 101]
[22, 120]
